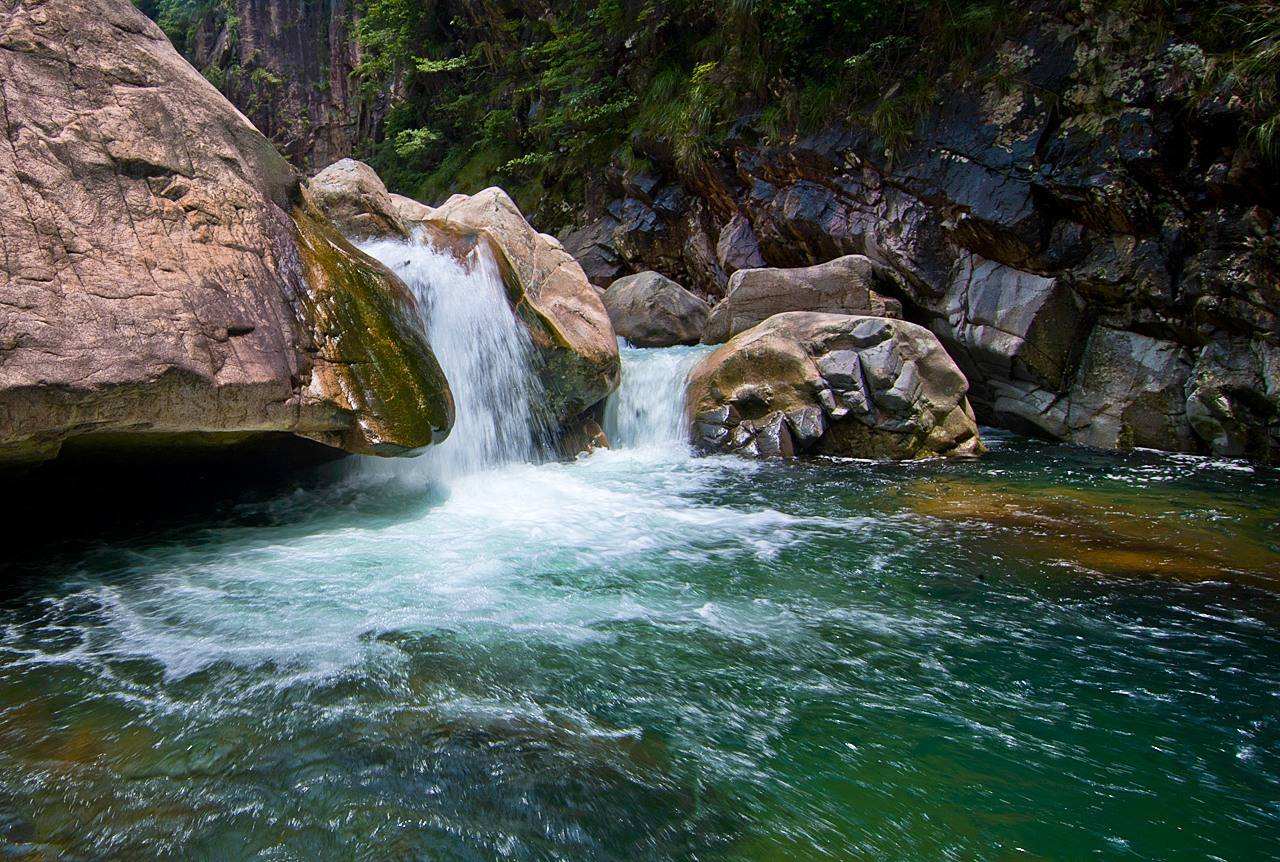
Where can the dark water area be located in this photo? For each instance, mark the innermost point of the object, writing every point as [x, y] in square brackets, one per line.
[1048, 653]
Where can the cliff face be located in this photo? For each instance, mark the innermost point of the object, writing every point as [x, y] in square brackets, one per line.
[1085, 229]
[289, 67]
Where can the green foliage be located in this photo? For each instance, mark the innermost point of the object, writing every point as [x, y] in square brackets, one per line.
[1255, 70]
[546, 101]
[180, 19]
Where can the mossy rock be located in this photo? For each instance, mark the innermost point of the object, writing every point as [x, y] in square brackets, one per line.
[370, 352]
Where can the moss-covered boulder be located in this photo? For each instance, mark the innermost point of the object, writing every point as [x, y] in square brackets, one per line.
[371, 356]
[832, 384]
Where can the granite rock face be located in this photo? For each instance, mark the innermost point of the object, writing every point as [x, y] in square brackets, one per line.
[650, 310]
[355, 199]
[845, 285]
[291, 68]
[1082, 198]
[832, 384]
[165, 279]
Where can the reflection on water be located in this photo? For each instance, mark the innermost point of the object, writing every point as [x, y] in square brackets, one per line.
[1047, 653]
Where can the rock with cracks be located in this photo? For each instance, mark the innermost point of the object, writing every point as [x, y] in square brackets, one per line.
[166, 283]
[832, 384]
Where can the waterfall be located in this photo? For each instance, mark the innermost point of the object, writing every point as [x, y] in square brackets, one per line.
[648, 408]
[485, 352]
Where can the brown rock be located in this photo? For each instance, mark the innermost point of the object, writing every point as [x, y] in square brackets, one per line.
[650, 310]
[577, 347]
[355, 199]
[832, 384]
[154, 282]
[841, 286]
[410, 212]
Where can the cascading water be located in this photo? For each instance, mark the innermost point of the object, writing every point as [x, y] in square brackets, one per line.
[486, 355]
[648, 408]
[645, 655]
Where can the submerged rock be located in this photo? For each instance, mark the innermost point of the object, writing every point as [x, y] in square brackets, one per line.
[1113, 533]
[831, 384]
[845, 285]
[650, 310]
[155, 286]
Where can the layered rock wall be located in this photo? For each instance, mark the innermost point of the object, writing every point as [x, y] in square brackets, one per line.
[1084, 225]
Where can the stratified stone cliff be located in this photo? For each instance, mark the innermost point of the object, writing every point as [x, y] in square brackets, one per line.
[1084, 227]
[289, 67]
[165, 280]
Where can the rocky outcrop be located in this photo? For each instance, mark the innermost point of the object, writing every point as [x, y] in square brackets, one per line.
[291, 68]
[845, 285]
[1086, 202]
[355, 199]
[165, 282]
[650, 310]
[410, 212]
[576, 346]
[829, 384]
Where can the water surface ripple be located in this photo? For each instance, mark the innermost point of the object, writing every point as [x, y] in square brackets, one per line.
[1045, 654]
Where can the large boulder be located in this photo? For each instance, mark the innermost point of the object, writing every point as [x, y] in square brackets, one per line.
[650, 310]
[832, 384]
[355, 199]
[576, 346]
[165, 282]
[846, 285]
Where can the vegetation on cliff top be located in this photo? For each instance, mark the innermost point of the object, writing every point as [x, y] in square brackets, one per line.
[540, 97]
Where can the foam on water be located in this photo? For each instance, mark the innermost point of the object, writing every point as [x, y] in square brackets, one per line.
[476, 555]
[636, 655]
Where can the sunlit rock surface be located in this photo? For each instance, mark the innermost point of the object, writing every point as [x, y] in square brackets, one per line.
[846, 285]
[802, 382]
[155, 286]
[650, 310]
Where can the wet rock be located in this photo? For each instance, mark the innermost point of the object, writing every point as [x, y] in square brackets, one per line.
[1231, 398]
[577, 349]
[355, 199]
[1130, 391]
[651, 310]
[869, 387]
[1114, 533]
[166, 281]
[1103, 180]
[841, 286]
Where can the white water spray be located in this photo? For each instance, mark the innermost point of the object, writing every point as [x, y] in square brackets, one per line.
[486, 355]
[647, 411]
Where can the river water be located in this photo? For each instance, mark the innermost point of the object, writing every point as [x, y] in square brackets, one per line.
[1048, 653]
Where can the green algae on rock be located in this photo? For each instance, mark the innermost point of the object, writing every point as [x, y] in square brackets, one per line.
[371, 356]
[577, 350]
